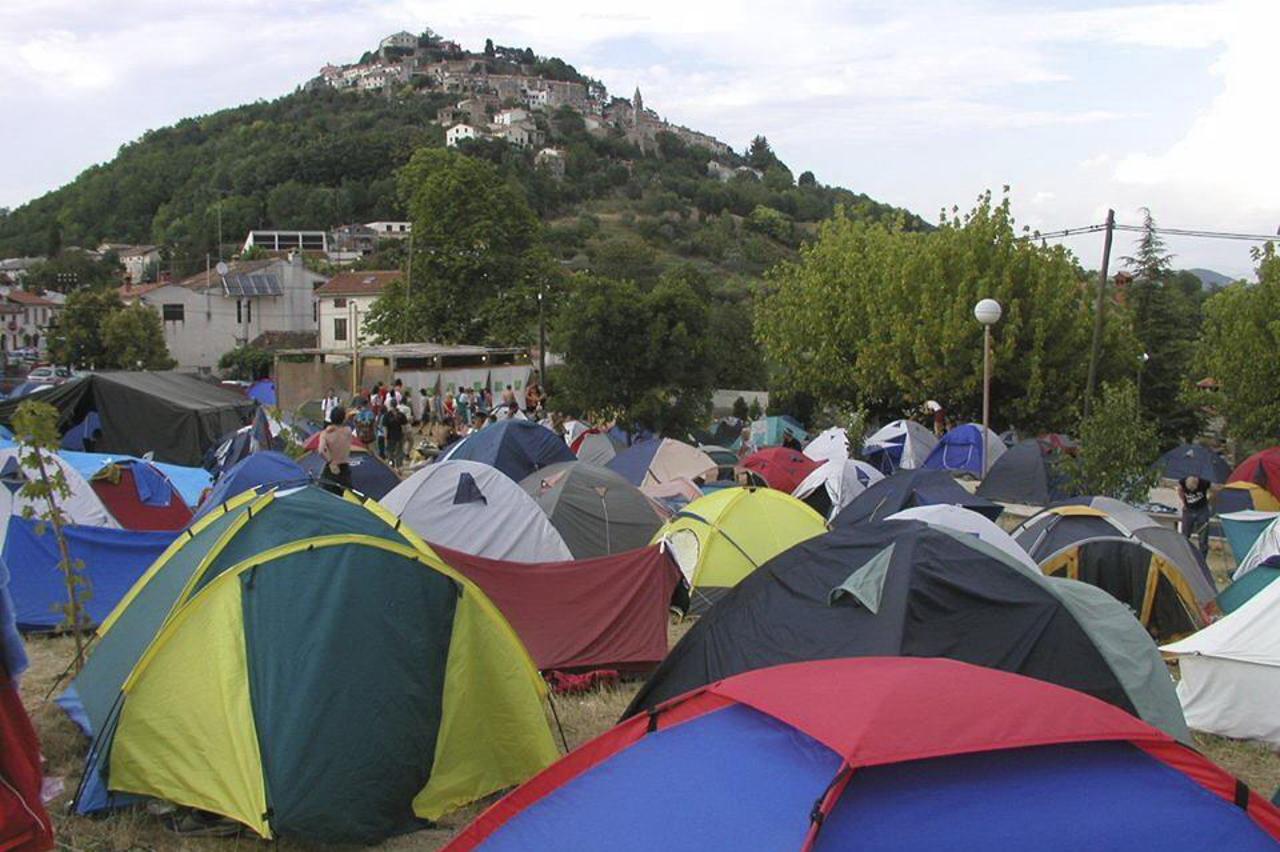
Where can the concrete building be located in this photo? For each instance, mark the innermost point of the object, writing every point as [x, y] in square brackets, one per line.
[401, 40]
[343, 302]
[208, 314]
[460, 133]
[285, 241]
[137, 259]
[26, 318]
[508, 117]
[390, 230]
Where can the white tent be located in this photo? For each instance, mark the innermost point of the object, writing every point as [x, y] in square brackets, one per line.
[966, 521]
[1266, 545]
[843, 480]
[1231, 672]
[901, 444]
[830, 445]
[476, 508]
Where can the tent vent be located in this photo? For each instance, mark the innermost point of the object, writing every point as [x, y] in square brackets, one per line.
[468, 491]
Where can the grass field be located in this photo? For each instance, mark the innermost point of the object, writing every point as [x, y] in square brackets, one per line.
[581, 717]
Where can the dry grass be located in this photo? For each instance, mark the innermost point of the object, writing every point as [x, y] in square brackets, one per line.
[581, 717]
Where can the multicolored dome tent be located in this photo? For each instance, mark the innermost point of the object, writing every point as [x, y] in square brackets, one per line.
[880, 753]
[902, 444]
[595, 510]
[476, 508]
[835, 484]
[719, 539]
[594, 447]
[1261, 468]
[140, 496]
[515, 447]
[658, 460]
[1109, 544]
[1243, 497]
[233, 675]
[915, 589]
[909, 488]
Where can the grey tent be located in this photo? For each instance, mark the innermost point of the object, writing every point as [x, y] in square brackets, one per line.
[1028, 473]
[477, 509]
[595, 510]
[174, 415]
[595, 448]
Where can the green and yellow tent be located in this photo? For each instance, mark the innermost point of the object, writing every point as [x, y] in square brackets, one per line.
[719, 539]
[298, 664]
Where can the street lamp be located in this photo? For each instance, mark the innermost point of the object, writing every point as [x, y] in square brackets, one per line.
[987, 312]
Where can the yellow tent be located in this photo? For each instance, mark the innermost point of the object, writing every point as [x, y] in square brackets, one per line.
[719, 539]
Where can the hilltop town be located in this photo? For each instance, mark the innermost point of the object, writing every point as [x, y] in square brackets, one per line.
[502, 92]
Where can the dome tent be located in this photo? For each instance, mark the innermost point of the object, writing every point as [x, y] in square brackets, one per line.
[657, 460]
[902, 444]
[1262, 469]
[1194, 460]
[719, 539]
[781, 468]
[475, 508]
[1242, 529]
[908, 488]
[515, 447]
[1244, 497]
[594, 509]
[1027, 473]
[370, 476]
[140, 496]
[962, 449]
[267, 468]
[265, 618]
[842, 754]
[835, 484]
[907, 588]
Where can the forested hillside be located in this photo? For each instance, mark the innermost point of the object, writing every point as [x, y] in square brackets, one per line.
[319, 158]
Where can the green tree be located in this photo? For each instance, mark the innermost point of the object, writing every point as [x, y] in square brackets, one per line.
[35, 425]
[636, 355]
[879, 316]
[133, 339]
[807, 179]
[488, 47]
[1237, 348]
[1117, 448]
[246, 363]
[624, 257]
[1166, 321]
[760, 155]
[474, 238]
[77, 339]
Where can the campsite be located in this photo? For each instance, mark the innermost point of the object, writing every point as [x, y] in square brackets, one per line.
[486, 608]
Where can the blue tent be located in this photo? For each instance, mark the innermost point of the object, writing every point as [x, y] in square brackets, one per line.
[1194, 460]
[1242, 529]
[263, 391]
[961, 450]
[369, 475]
[267, 468]
[87, 430]
[623, 438]
[515, 447]
[907, 489]
[770, 431]
[114, 560]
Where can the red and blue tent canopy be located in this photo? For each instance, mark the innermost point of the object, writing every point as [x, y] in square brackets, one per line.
[780, 467]
[1261, 468]
[879, 753]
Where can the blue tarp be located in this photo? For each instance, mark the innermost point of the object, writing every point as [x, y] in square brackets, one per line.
[262, 391]
[265, 468]
[113, 561]
[515, 447]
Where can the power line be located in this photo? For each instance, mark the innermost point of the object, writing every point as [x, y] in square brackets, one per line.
[1208, 235]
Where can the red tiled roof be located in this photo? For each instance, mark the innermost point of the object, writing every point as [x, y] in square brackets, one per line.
[22, 297]
[132, 291]
[358, 283]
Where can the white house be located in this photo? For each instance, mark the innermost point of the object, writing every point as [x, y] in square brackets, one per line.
[401, 40]
[343, 302]
[508, 117]
[208, 314]
[136, 260]
[385, 230]
[287, 241]
[25, 319]
[459, 133]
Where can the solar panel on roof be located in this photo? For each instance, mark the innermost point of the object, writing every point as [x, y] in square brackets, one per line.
[251, 284]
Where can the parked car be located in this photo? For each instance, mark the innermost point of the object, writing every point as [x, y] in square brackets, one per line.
[49, 375]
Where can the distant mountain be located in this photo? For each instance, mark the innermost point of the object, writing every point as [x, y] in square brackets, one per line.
[622, 189]
[1210, 279]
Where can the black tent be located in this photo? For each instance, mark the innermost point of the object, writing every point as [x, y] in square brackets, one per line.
[907, 489]
[1028, 473]
[175, 415]
[899, 588]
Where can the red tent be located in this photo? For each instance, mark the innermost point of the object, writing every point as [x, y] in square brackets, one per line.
[781, 468]
[1262, 468]
[609, 612]
[120, 495]
[24, 824]
[313, 443]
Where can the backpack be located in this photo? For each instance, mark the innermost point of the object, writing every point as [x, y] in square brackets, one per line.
[365, 431]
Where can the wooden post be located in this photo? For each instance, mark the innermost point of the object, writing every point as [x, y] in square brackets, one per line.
[1096, 349]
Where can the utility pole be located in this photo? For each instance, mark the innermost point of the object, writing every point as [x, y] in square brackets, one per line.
[1096, 349]
[408, 289]
[542, 337]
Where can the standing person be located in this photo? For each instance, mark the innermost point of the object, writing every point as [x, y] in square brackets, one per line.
[508, 397]
[450, 410]
[426, 406]
[391, 443]
[1194, 493]
[365, 424]
[464, 407]
[329, 403]
[335, 449]
[488, 400]
[532, 398]
[397, 391]
[437, 406]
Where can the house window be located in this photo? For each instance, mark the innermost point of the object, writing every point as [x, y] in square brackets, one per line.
[339, 303]
[248, 310]
[173, 313]
[340, 328]
[239, 312]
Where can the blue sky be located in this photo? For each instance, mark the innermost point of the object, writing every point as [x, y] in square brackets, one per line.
[1077, 106]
